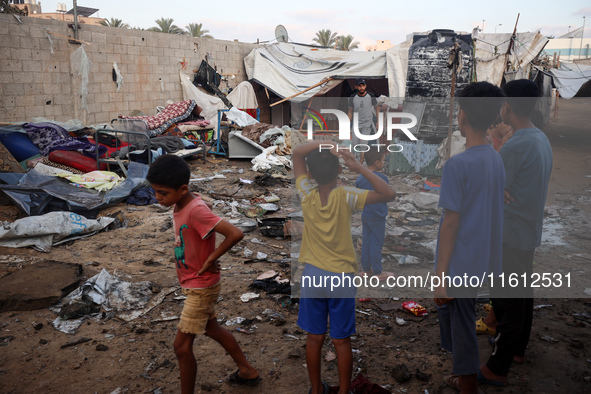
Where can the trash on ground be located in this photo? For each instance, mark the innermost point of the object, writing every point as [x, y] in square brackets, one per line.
[400, 321]
[235, 320]
[248, 296]
[415, 308]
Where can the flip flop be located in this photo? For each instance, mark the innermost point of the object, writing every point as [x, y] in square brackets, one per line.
[238, 380]
[452, 381]
[482, 379]
[482, 328]
[325, 388]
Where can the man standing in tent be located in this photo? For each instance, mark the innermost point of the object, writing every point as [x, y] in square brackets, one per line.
[363, 103]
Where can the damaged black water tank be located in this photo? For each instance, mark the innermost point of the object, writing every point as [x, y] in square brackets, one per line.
[428, 74]
[429, 77]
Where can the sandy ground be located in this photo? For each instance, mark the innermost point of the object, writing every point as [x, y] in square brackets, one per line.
[139, 356]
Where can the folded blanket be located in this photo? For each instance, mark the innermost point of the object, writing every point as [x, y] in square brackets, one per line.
[172, 113]
[50, 137]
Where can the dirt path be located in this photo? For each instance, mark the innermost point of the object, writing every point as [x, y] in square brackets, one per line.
[140, 359]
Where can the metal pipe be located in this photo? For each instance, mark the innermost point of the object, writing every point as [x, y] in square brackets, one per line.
[582, 36]
[75, 19]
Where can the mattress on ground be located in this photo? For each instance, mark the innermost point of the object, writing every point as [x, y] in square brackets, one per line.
[76, 160]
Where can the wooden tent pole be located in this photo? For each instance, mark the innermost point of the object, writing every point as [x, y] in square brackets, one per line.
[303, 91]
[509, 50]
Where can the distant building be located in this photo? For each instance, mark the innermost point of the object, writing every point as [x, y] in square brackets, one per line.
[569, 49]
[32, 8]
[382, 45]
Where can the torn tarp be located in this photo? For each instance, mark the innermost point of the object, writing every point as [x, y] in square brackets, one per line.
[106, 291]
[35, 192]
[41, 232]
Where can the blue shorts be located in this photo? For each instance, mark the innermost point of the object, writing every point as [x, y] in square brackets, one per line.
[458, 334]
[317, 307]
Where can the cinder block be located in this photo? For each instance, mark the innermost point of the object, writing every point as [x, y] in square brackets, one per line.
[21, 54]
[13, 89]
[26, 101]
[115, 58]
[32, 66]
[29, 43]
[34, 111]
[119, 49]
[127, 39]
[114, 38]
[22, 77]
[40, 55]
[50, 88]
[132, 50]
[106, 48]
[7, 77]
[7, 102]
[140, 41]
[16, 114]
[63, 98]
[98, 38]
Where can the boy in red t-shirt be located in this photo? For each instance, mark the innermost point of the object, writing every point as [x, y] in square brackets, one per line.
[197, 268]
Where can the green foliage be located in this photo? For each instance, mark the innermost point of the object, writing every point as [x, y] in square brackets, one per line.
[196, 30]
[114, 22]
[325, 38]
[346, 43]
[165, 25]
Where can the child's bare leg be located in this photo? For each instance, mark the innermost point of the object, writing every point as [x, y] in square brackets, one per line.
[491, 319]
[183, 348]
[344, 363]
[228, 342]
[314, 359]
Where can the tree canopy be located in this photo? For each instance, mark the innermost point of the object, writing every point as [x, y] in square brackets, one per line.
[166, 25]
[346, 43]
[197, 30]
[114, 22]
[325, 38]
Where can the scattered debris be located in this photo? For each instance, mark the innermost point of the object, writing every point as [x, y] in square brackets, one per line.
[401, 373]
[248, 296]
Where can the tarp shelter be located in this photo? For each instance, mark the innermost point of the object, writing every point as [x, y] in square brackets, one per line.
[242, 96]
[287, 69]
[570, 77]
[489, 55]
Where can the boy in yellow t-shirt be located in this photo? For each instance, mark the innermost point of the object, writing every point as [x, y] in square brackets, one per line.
[328, 253]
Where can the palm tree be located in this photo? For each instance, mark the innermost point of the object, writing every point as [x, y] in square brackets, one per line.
[325, 38]
[196, 30]
[165, 25]
[6, 8]
[114, 22]
[346, 43]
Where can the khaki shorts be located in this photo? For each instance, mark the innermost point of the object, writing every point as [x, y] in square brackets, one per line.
[199, 309]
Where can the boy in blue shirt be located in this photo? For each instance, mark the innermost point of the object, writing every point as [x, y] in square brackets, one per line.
[471, 230]
[373, 218]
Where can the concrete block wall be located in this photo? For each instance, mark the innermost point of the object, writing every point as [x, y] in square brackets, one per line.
[37, 83]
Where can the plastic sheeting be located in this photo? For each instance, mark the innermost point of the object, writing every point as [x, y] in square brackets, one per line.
[81, 66]
[41, 232]
[569, 78]
[36, 191]
[491, 49]
[243, 96]
[268, 159]
[107, 291]
[397, 61]
[241, 118]
[289, 68]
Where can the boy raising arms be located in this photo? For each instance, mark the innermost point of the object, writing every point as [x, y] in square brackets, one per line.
[373, 218]
[197, 269]
[471, 230]
[327, 251]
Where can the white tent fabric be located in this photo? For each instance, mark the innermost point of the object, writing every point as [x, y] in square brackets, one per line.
[491, 49]
[288, 68]
[210, 104]
[242, 96]
[397, 61]
[569, 78]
